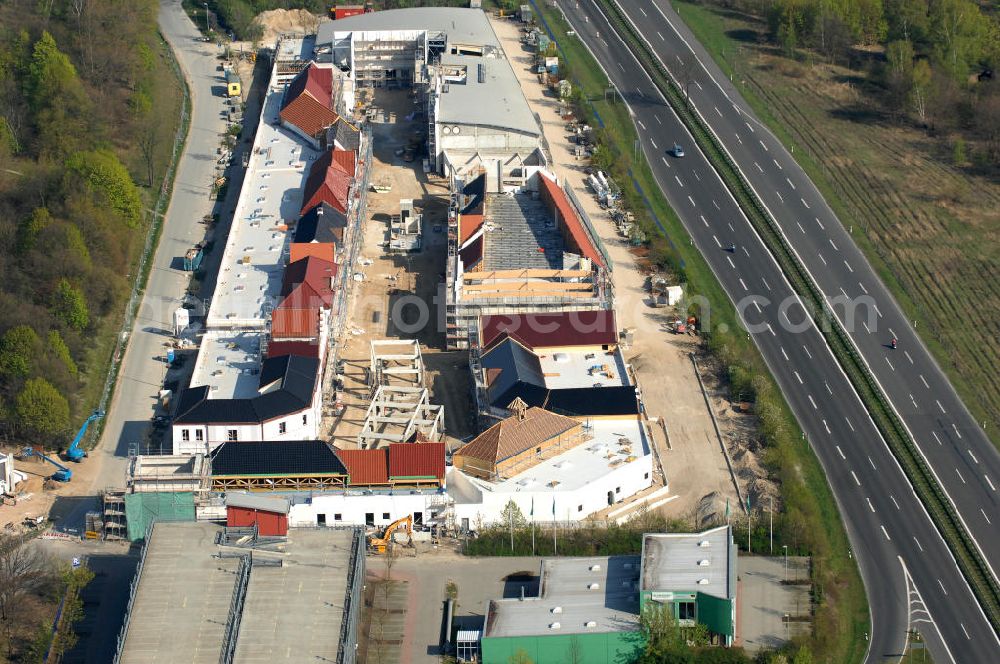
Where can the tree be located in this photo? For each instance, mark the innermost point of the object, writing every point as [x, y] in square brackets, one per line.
[899, 73]
[70, 306]
[23, 569]
[50, 75]
[958, 33]
[663, 634]
[104, 173]
[512, 516]
[41, 409]
[59, 349]
[18, 347]
[921, 89]
[29, 229]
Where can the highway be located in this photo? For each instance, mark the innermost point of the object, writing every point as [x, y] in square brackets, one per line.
[892, 537]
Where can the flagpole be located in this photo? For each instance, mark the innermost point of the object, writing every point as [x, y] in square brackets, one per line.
[532, 525]
[748, 523]
[555, 539]
[770, 515]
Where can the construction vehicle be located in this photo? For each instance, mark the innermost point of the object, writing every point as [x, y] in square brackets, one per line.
[380, 543]
[74, 453]
[193, 257]
[62, 474]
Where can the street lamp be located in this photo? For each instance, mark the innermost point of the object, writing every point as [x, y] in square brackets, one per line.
[208, 28]
[785, 547]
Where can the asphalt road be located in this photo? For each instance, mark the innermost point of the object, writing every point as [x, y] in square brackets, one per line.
[143, 370]
[893, 539]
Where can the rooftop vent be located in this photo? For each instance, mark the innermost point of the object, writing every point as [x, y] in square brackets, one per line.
[704, 543]
[703, 563]
[593, 586]
[590, 623]
[556, 609]
[595, 568]
[702, 582]
[554, 625]
[482, 73]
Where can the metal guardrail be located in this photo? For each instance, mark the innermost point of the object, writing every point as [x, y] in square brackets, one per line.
[939, 506]
[347, 648]
[133, 588]
[232, 633]
[588, 226]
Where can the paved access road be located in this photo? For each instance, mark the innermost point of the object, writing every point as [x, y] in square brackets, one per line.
[893, 538]
[142, 372]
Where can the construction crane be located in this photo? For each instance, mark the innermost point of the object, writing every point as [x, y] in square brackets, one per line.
[62, 474]
[380, 544]
[74, 453]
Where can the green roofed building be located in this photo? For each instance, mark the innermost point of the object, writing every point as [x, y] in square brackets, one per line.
[588, 608]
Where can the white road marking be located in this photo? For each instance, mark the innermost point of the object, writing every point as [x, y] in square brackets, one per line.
[801, 382]
[940, 406]
[984, 516]
[826, 426]
[855, 476]
[784, 353]
[643, 12]
[907, 354]
[841, 453]
[890, 364]
[849, 424]
[771, 330]
[924, 381]
[676, 177]
[716, 204]
[962, 625]
[918, 544]
[759, 310]
[843, 292]
[678, 58]
[693, 204]
[702, 217]
[800, 227]
[654, 144]
[807, 352]
[942, 587]
[777, 164]
[699, 85]
[641, 125]
[620, 66]
[731, 264]
[820, 223]
[744, 285]
[749, 127]
[768, 287]
[877, 310]
[758, 167]
[960, 476]
[865, 325]
[870, 506]
[833, 245]
[660, 36]
[745, 251]
[730, 224]
[739, 139]
[894, 501]
[762, 145]
[658, 120]
[872, 463]
[718, 111]
[785, 314]
[821, 258]
[892, 333]
[804, 202]
[849, 266]
[973, 457]
[790, 183]
[695, 174]
[934, 433]
[717, 241]
[827, 386]
[957, 432]
[990, 482]
[813, 402]
[665, 162]
[884, 532]
[914, 401]
[863, 289]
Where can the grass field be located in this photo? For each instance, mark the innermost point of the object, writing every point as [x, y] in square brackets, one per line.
[930, 228]
[810, 521]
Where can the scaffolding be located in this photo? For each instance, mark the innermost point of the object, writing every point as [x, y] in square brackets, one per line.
[392, 360]
[115, 524]
[396, 414]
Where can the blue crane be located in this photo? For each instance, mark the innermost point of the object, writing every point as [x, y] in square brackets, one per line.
[74, 453]
[62, 474]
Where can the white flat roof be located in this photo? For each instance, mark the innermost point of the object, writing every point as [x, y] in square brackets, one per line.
[229, 363]
[583, 369]
[463, 25]
[507, 108]
[614, 441]
[690, 562]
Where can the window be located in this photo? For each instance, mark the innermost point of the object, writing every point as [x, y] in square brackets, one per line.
[685, 610]
[645, 476]
[320, 519]
[579, 508]
[385, 515]
[282, 427]
[618, 489]
[232, 434]
[369, 518]
[199, 435]
[185, 435]
[538, 450]
[338, 517]
[305, 420]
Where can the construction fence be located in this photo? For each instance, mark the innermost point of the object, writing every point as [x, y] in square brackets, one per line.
[141, 509]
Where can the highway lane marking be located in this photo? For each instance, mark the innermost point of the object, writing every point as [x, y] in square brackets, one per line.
[894, 501]
[960, 476]
[914, 401]
[678, 58]
[942, 587]
[918, 544]
[833, 245]
[759, 310]
[934, 433]
[855, 476]
[865, 325]
[820, 223]
[863, 289]
[749, 127]
[813, 402]
[827, 386]
[695, 174]
[665, 162]
[973, 456]
[790, 184]
[806, 349]
[620, 66]
[849, 424]
[890, 364]
[841, 452]
[758, 167]
[717, 241]
[739, 139]
[962, 625]
[800, 227]
[766, 285]
[784, 353]
[943, 411]
[718, 111]
[677, 177]
[886, 533]
[870, 506]
[957, 432]
[777, 164]
[848, 266]
[843, 292]
[877, 310]
[821, 258]
[802, 382]
[701, 88]
[693, 204]
[654, 144]
[745, 251]
[785, 314]
[985, 517]
[990, 482]
[892, 333]
[804, 202]
[924, 381]
[872, 463]
[716, 204]
[826, 426]
[641, 96]
[640, 121]
[745, 286]
[660, 36]
[762, 145]
[702, 217]
[658, 120]
[643, 12]
[731, 264]
[771, 330]
[907, 354]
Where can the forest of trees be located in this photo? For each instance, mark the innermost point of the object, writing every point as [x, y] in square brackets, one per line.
[83, 86]
[941, 57]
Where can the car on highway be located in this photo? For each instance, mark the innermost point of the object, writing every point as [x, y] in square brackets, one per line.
[676, 151]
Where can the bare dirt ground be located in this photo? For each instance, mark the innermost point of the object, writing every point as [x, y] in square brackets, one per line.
[694, 463]
[278, 22]
[400, 288]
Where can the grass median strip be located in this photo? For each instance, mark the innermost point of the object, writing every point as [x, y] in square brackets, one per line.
[938, 505]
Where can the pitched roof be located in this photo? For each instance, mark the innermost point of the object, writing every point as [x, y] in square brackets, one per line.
[311, 271]
[514, 435]
[308, 101]
[574, 234]
[472, 253]
[295, 377]
[343, 135]
[300, 250]
[329, 181]
[256, 502]
[366, 466]
[292, 457]
[416, 461]
[295, 322]
[301, 348]
[568, 328]
[322, 223]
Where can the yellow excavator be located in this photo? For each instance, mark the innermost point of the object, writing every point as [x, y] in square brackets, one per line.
[379, 543]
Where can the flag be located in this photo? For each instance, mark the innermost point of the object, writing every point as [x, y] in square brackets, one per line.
[553, 509]
[532, 514]
[727, 509]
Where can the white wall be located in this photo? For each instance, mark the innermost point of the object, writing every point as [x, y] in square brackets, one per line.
[352, 509]
[215, 434]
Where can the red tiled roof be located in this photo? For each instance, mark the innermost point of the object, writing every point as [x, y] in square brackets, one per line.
[366, 466]
[298, 348]
[572, 228]
[313, 272]
[329, 181]
[568, 328]
[416, 460]
[322, 250]
[290, 323]
[468, 224]
[307, 103]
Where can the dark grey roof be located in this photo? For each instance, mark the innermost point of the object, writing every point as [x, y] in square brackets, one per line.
[515, 363]
[292, 457]
[343, 135]
[318, 224]
[297, 376]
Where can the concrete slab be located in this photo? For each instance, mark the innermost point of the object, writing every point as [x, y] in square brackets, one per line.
[766, 600]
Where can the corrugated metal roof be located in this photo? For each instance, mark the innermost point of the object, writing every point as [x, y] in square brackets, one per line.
[255, 502]
[569, 328]
[366, 466]
[416, 460]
